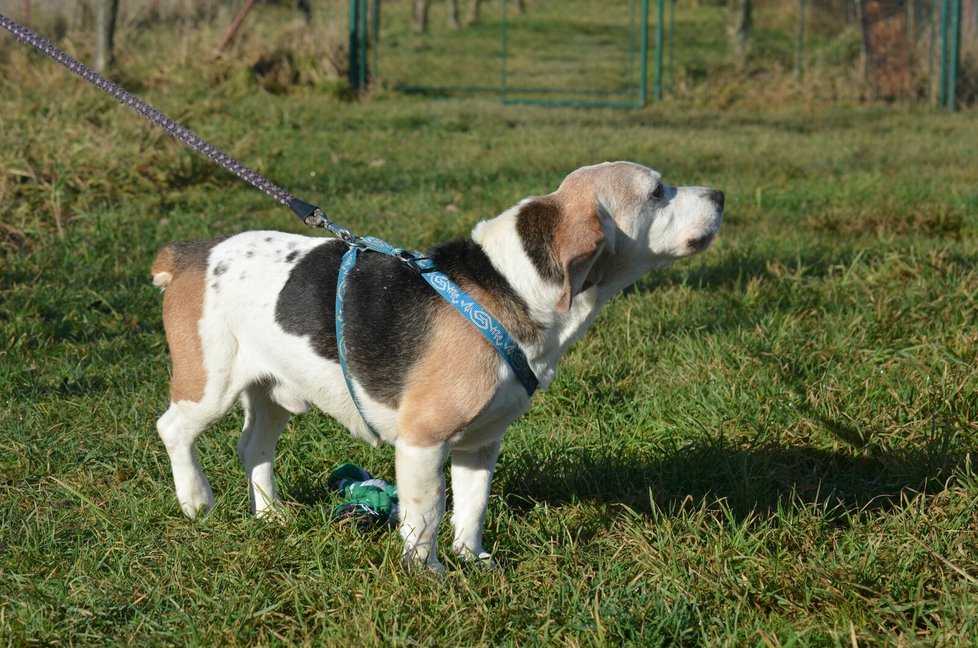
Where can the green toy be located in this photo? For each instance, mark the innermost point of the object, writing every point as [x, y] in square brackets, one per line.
[368, 500]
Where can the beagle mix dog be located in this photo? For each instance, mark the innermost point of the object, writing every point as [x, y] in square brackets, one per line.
[250, 317]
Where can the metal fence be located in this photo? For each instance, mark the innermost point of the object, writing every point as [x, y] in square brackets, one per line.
[494, 48]
[562, 51]
[612, 52]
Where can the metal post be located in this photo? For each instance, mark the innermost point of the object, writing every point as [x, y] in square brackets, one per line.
[672, 30]
[931, 46]
[504, 52]
[799, 56]
[955, 54]
[631, 41]
[660, 15]
[375, 41]
[643, 73]
[352, 73]
[362, 65]
[942, 85]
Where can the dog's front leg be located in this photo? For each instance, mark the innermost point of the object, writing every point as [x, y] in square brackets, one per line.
[471, 478]
[421, 494]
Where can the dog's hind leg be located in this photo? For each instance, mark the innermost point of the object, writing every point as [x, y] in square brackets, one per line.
[264, 422]
[471, 478]
[179, 427]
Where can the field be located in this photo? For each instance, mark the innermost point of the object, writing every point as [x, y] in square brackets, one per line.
[771, 444]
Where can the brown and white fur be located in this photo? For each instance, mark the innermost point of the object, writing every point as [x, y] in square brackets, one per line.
[250, 318]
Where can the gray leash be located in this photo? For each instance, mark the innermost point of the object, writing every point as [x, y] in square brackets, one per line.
[308, 213]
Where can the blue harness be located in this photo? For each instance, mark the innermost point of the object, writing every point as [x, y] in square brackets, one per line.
[479, 317]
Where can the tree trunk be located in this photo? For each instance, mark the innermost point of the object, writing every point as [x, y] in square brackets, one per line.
[105, 33]
[233, 28]
[421, 15]
[451, 14]
[739, 25]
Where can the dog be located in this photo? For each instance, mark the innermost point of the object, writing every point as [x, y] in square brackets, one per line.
[250, 317]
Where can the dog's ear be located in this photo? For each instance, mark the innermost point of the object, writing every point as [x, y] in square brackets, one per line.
[563, 237]
[578, 245]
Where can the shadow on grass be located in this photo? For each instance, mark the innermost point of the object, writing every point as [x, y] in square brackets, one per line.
[748, 479]
[737, 267]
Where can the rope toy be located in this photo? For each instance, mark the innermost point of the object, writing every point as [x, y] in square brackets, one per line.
[368, 500]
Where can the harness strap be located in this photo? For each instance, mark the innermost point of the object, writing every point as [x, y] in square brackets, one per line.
[483, 321]
[478, 316]
[349, 260]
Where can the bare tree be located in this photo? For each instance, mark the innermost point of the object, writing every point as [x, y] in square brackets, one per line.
[421, 14]
[739, 25]
[105, 33]
[451, 17]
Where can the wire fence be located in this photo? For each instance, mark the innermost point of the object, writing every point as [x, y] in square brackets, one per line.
[711, 50]
[597, 58]
[581, 52]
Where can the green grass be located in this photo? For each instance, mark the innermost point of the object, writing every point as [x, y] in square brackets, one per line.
[771, 444]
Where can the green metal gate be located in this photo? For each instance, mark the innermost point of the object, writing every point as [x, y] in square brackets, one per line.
[566, 53]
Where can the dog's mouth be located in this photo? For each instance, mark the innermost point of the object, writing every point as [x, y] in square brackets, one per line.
[700, 243]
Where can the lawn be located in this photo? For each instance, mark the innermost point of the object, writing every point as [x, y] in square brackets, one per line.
[770, 444]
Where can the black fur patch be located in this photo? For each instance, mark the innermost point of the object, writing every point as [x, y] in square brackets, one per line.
[306, 305]
[387, 312]
[388, 309]
[467, 264]
[536, 224]
[292, 255]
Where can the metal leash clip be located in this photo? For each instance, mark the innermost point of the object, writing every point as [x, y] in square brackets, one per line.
[343, 234]
[318, 219]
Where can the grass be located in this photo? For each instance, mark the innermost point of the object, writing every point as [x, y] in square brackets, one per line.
[773, 443]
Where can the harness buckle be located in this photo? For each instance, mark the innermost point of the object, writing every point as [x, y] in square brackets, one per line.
[410, 259]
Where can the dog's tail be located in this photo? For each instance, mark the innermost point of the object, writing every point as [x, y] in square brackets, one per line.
[179, 257]
[164, 266]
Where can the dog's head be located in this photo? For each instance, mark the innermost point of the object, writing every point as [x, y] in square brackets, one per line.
[610, 223]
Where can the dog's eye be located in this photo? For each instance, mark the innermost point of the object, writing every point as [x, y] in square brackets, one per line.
[659, 191]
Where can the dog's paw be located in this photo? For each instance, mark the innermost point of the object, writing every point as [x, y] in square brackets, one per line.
[484, 561]
[430, 567]
[481, 559]
[277, 512]
[414, 560]
[197, 510]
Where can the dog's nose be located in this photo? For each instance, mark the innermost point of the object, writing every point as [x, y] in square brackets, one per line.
[716, 197]
[700, 243]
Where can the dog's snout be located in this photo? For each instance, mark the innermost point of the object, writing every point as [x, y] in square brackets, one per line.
[716, 197]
